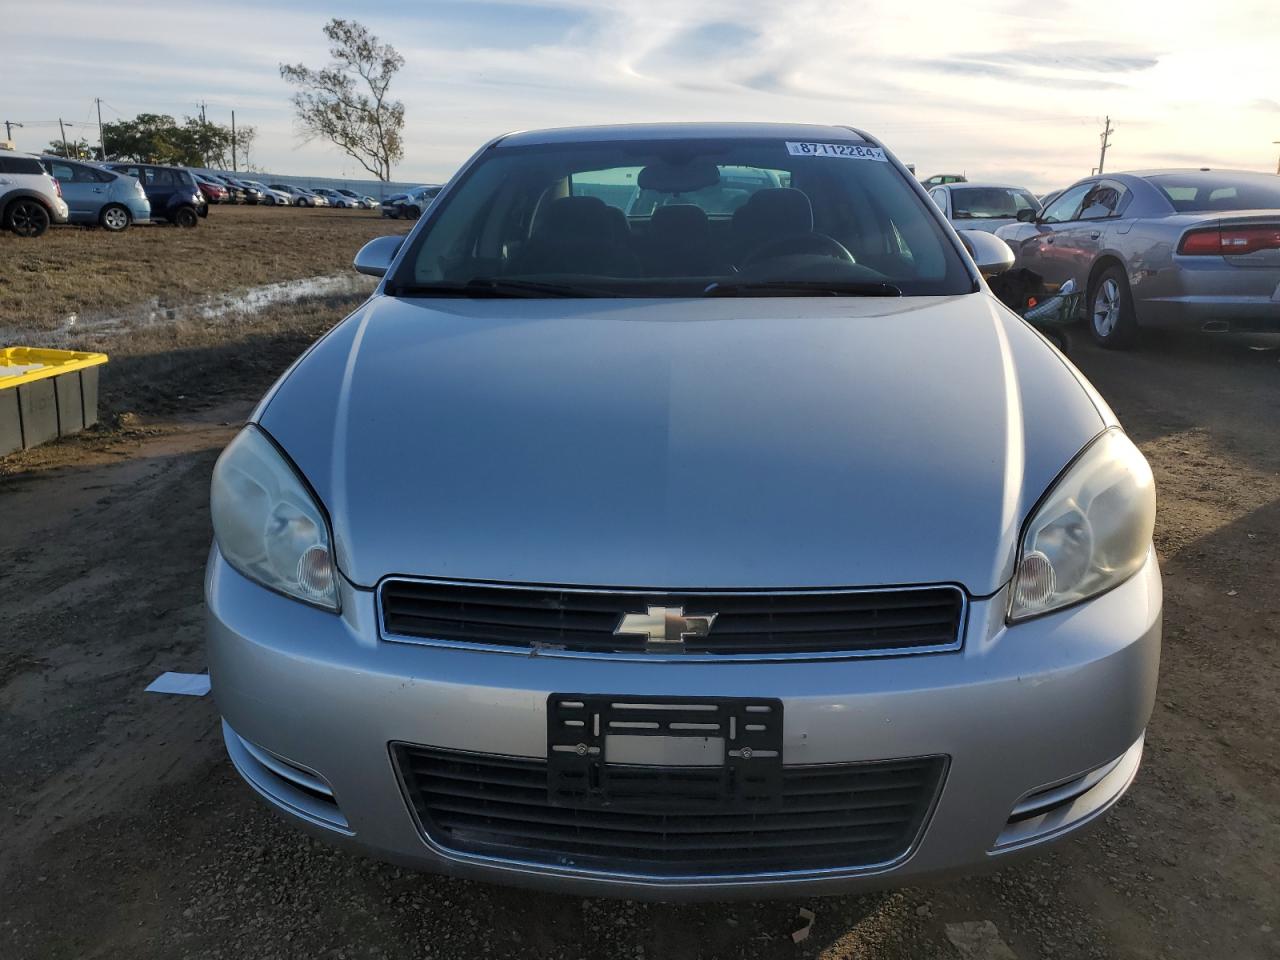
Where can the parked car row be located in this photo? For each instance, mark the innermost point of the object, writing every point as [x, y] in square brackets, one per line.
[241, 190]
[39, 190]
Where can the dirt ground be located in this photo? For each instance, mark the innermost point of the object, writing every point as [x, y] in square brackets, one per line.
[89, 274]
[124, 832]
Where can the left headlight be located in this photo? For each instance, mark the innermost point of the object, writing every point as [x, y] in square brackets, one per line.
[267, 523]
[1090, 533]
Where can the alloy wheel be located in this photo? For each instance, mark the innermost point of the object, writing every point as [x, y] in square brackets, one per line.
[115, 218]
[1106, 307]
[28, 219]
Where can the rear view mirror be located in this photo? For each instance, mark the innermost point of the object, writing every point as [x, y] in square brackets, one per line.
[374, 258]
[991, 254]
[1027, 216]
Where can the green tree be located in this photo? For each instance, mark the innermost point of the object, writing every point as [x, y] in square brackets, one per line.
[74, 150]
[159, 138]
[346, 102]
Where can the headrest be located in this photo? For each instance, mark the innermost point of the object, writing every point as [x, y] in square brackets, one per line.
[779, 211]
[576, 216]
[684, 220]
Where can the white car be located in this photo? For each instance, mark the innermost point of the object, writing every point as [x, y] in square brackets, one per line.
[271, 196]
[30, 199]
[984, 206]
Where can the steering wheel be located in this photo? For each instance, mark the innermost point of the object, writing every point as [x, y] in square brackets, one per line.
[799, 243]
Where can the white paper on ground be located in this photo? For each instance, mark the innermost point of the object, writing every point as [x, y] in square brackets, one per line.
[191, 684]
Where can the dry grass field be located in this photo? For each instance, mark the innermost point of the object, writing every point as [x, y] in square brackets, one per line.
[89, 273]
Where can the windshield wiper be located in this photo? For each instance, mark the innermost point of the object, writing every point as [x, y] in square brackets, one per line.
[803, 288]
[495, 287]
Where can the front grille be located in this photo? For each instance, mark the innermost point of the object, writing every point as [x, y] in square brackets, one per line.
[840, 815]
[830, 622]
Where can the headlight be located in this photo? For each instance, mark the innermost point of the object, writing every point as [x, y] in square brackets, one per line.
[1091, 532]
[267, 524]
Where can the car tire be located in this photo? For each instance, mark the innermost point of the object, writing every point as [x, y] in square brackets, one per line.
[1111, 317]
[412, 213]
[115, 218]
[27, 218]
[186, 217]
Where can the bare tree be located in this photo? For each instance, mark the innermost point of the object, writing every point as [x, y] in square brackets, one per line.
[346, 102]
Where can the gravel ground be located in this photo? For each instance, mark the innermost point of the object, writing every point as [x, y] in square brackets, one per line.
[126, 833]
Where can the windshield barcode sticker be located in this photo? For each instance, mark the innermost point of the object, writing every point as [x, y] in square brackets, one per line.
[850, 151]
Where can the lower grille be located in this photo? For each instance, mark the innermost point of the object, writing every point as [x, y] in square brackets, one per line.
[746, 624]
[839, 815]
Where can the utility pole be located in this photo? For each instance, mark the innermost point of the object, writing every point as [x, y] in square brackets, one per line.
[66, 151]
[8, 128]
[1106, 142]
[204, 135]
[233, 142]
[102, 142]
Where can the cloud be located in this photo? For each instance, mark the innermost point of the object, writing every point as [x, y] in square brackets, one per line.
[1085, 56]
[985, 91]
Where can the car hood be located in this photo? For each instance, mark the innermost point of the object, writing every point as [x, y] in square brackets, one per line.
[987, 225]
[682, 443]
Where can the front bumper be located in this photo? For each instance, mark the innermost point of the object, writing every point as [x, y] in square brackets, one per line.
[1025, 715]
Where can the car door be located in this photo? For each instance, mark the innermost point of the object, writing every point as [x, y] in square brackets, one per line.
[939, 196]
[164, 184]
[83, 194]
[1043, 250]
[1080, 241]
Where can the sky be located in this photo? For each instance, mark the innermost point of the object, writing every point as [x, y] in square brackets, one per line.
[1010, 92]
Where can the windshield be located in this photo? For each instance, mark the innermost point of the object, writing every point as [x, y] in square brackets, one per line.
[1197, 193]
[990, 203]
[682, 218]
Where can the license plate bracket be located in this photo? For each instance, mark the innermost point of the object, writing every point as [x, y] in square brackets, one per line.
[746, 774]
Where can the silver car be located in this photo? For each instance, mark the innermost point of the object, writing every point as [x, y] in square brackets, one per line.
[1191, 249]
[984, 206]
[684, 554]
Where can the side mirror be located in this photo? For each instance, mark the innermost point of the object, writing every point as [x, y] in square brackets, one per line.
[1027, 216]
[374, 258]
[991, 254]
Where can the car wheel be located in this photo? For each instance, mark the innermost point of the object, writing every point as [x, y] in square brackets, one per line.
[186, 217]
[27, 218]
[114, 217]
[413, 213]
[1111, 319]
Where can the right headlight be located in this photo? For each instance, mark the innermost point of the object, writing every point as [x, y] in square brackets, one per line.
[267, 523]
[1091, 531]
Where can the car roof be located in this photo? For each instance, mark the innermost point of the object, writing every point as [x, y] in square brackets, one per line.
[682, 131]
[1204, 173]
[982, 186]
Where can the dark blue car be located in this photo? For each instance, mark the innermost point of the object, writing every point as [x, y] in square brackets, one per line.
[173, 192]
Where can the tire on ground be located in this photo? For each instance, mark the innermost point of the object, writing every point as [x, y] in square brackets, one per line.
[27, 217]
[1112, 321]
[115, 218]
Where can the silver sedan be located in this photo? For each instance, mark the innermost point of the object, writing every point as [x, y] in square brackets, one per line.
[639, 537]
[1197, 250]
[984, 206]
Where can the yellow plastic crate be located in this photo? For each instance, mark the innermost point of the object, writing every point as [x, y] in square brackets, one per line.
[46, 394]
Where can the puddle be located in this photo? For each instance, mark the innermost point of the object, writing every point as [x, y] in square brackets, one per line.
[220, 307]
